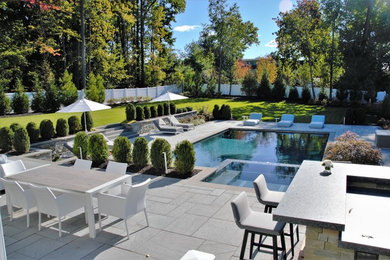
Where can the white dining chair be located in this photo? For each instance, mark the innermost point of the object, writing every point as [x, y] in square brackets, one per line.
[12, 167]
[58, 205]
[116, 167]
[125, 205]
[82, 164]
[17, 196]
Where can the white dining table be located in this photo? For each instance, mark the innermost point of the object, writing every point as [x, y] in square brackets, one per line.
[70, 180]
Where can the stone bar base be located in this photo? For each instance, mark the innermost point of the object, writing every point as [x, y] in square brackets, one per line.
[322, 244]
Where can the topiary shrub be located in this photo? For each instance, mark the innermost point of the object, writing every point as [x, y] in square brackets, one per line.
[146, 112]
[5, 103]
[62, 128]
[6, 139]
[306, 96]
[139, 111]
[21, 140]
[15, 126]
[386, 107]
[140, 152]
[121, 151]
[33, 131]
[81, 140]
[130, 112]
[98, 149]
[179, 110]
[89, 120]
[225, 112]
[188, 109]
[166, 108]
[153, 112]
[20, 102]
[185, 157]
[46, 129]
[216, 112]
[293, 96]
[172, 108]
[160, 110]
[355, 116]
[74, 124]
[348, 147]
[156, 153]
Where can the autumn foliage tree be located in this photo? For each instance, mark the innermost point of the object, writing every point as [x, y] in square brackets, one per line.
[266, 65]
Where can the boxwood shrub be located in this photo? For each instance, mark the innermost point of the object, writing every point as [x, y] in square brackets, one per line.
[160, 110]
[6, 139]
[146, 112]
[62, 127]
[156, 154]
[121, 150]
[21, 140]
[139, 113]
[15, 126]
[33, 131]
[46, 129]
[140, 152]
[98, 149]
[185, 157]
[80, 140]
[166, 108]
[153, 111]
[130, 112]
[74, 124]
[88, 119]
[172, 108]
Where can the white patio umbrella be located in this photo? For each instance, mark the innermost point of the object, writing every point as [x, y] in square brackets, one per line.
[83, 105]
[168, 96]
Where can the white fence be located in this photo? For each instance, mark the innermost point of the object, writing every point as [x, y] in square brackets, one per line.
[154, 92]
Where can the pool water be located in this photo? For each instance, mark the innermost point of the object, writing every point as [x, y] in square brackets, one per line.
[275, 147]
[241, 155]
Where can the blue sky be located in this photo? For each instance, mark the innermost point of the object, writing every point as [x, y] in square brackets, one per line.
[260, 12]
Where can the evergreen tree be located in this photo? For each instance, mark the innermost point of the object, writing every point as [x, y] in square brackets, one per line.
[20, 102]
[92, 92]
[38, 101]
[100, 88]
[68, 90]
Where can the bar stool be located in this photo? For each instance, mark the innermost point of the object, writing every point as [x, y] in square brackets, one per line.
[271, 200]
[257, 223]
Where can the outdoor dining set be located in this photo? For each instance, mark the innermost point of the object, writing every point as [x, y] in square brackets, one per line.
[58, 191]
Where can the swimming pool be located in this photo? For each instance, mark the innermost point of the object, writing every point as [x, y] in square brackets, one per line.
[275, 154]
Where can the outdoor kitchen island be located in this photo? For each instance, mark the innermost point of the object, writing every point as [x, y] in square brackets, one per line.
[347, 213]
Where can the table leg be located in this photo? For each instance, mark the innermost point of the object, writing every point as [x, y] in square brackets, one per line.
[90, 215]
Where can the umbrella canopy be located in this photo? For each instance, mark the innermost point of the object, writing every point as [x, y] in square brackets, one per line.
[168, 96]
[83, 105]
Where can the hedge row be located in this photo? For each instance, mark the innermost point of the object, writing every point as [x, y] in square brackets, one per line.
[145, 112]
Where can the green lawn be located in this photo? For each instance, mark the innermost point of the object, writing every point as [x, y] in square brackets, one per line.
[270, 110]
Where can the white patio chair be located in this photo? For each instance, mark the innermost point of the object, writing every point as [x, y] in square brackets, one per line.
[19, 197]
[82, 164]
[12, 167]
[116, 167]
[56, 205]
[125, 205]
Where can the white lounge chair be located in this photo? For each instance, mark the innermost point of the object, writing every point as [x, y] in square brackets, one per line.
[11, 168]
[56, 205]
[82, 164]
[254, 119]
[317, 121]
[287, 120]
[125, 205]
[176, 122]
[167, 129]
[19, 197]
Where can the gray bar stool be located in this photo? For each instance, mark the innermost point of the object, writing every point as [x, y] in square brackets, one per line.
[271, 200]
[257, 223]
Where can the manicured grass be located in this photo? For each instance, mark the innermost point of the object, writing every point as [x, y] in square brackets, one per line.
[270, 111]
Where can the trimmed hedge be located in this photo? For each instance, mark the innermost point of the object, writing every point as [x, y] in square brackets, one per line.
[146, 112]
[6, 139]
[216, 112]
[80, 140]
[74, 124]
[15, 126]
[121, 151]
[139, 111]
[160, 110]
[98, 149]
[172, 108]
[46, 129]
[153, 111]
[62, 127]
[88, 119]
[156, 153]
[140, 152]
[21, 140]
[166, 109]
[130, 112]
[33, 131]
[185, 157]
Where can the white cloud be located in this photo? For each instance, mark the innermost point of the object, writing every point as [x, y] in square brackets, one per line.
[285, 6]
[186, 28]
[271, 44]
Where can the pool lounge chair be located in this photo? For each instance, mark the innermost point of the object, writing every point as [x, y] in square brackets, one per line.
[167, 129]
[176, 122]
[287, 120]
[254, 119]
[317, 121]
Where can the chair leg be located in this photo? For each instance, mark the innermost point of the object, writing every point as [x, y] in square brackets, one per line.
[297, 232]
[258, 247]
[284, 250]
[292, 238]
[244, 244]
[127, 229]
[28, 217]
[146, 216]
[266, 209]
[275, 247]
[39, 221]
[251, 246]
[59, 227]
